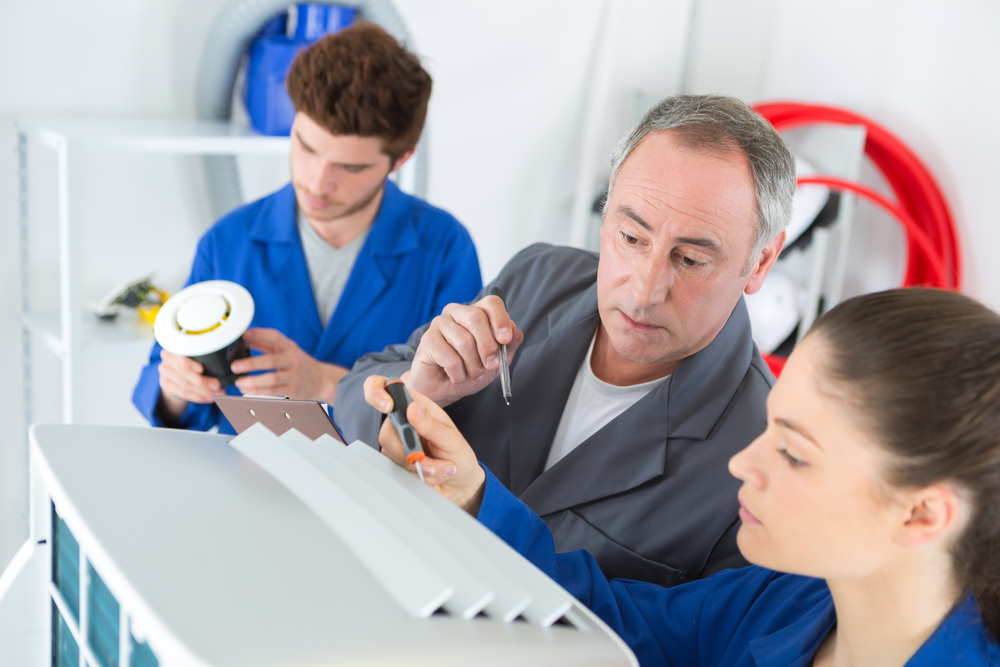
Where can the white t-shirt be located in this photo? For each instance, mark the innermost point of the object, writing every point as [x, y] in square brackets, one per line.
[591, 405]
[329, 267]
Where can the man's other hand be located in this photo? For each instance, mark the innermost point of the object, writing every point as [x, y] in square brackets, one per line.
[294, 373]
[460, 353]
[181, 382]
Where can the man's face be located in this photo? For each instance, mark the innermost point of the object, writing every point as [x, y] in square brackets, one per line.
[674, 245]
[334, 175]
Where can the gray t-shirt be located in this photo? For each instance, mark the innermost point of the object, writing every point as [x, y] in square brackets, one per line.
[592, 405]
[329, 267]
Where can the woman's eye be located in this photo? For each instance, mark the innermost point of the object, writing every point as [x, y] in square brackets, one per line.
[792, 461]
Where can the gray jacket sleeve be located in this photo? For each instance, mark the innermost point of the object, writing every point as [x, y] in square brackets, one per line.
[357, 419]
[522, 278]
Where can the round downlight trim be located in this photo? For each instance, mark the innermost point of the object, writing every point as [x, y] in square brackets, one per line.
[204, 318]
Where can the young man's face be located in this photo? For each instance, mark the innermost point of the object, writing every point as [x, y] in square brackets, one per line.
[335, 175]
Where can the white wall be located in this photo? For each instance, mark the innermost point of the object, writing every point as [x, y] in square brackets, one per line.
[928, 72]
[925, 70]
[510, 88]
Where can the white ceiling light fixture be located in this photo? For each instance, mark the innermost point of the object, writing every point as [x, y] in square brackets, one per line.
[204, 318]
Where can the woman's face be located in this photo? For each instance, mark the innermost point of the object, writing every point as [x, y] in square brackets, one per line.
[813, 499]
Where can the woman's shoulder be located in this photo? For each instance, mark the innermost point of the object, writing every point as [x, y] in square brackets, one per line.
[775, 617]
[761, 579]
[745, 597]
[758, 596]
[732, 617]
[961, 637]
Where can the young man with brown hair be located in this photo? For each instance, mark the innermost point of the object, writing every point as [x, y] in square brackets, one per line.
[340, 262]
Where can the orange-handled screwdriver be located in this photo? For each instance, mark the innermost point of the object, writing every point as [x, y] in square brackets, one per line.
[407, 434]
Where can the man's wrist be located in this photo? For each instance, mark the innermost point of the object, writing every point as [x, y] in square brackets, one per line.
[331, 379]
[170, 408]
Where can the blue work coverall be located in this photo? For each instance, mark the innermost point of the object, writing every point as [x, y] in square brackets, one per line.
[416, 260]
[735, 618]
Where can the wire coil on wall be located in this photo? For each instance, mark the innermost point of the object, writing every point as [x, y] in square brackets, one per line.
[934, 258]
[933, 255]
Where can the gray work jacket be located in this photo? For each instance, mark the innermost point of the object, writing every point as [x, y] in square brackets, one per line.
[649, 494]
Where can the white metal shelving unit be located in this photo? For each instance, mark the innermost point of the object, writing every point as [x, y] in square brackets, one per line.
[66, 332]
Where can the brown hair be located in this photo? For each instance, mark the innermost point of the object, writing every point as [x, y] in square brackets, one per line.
[923, 367]
[361, 81]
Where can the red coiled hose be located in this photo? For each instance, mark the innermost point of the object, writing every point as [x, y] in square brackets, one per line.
[934, 258]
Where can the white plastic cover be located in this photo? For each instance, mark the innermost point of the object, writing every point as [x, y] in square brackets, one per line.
[204, 318]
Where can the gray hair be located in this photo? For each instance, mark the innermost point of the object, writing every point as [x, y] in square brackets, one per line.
[718, 124]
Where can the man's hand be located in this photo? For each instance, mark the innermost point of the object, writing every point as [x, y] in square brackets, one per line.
[295, 373]
[181, 382]
[451, 467]
[460, 353]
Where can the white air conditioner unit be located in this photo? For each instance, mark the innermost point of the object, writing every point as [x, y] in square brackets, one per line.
[163, 547]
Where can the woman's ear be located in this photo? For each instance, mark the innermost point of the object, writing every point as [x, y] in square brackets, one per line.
[929, 514]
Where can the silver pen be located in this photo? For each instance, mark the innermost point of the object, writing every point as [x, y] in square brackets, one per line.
[504, 367]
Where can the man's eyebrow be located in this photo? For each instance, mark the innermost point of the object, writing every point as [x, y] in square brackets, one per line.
[708, 244]
[302, 141]
[632, 215]
[359, 165]
[629, 213]
[798, 429]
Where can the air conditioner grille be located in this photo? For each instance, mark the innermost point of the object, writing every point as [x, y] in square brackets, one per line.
[66, 564]
[142, 655]
[65, 651]
[102, 626]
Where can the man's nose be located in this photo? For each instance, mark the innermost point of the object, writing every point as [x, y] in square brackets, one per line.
[652, 280]
[324, 179]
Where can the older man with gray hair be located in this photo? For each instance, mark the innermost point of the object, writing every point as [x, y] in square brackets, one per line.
[635, 377]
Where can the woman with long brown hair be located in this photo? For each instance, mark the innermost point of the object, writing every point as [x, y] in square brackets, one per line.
[870, 505]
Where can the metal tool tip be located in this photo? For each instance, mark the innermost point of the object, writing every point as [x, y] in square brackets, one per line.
[420, 472]
[506, 397]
